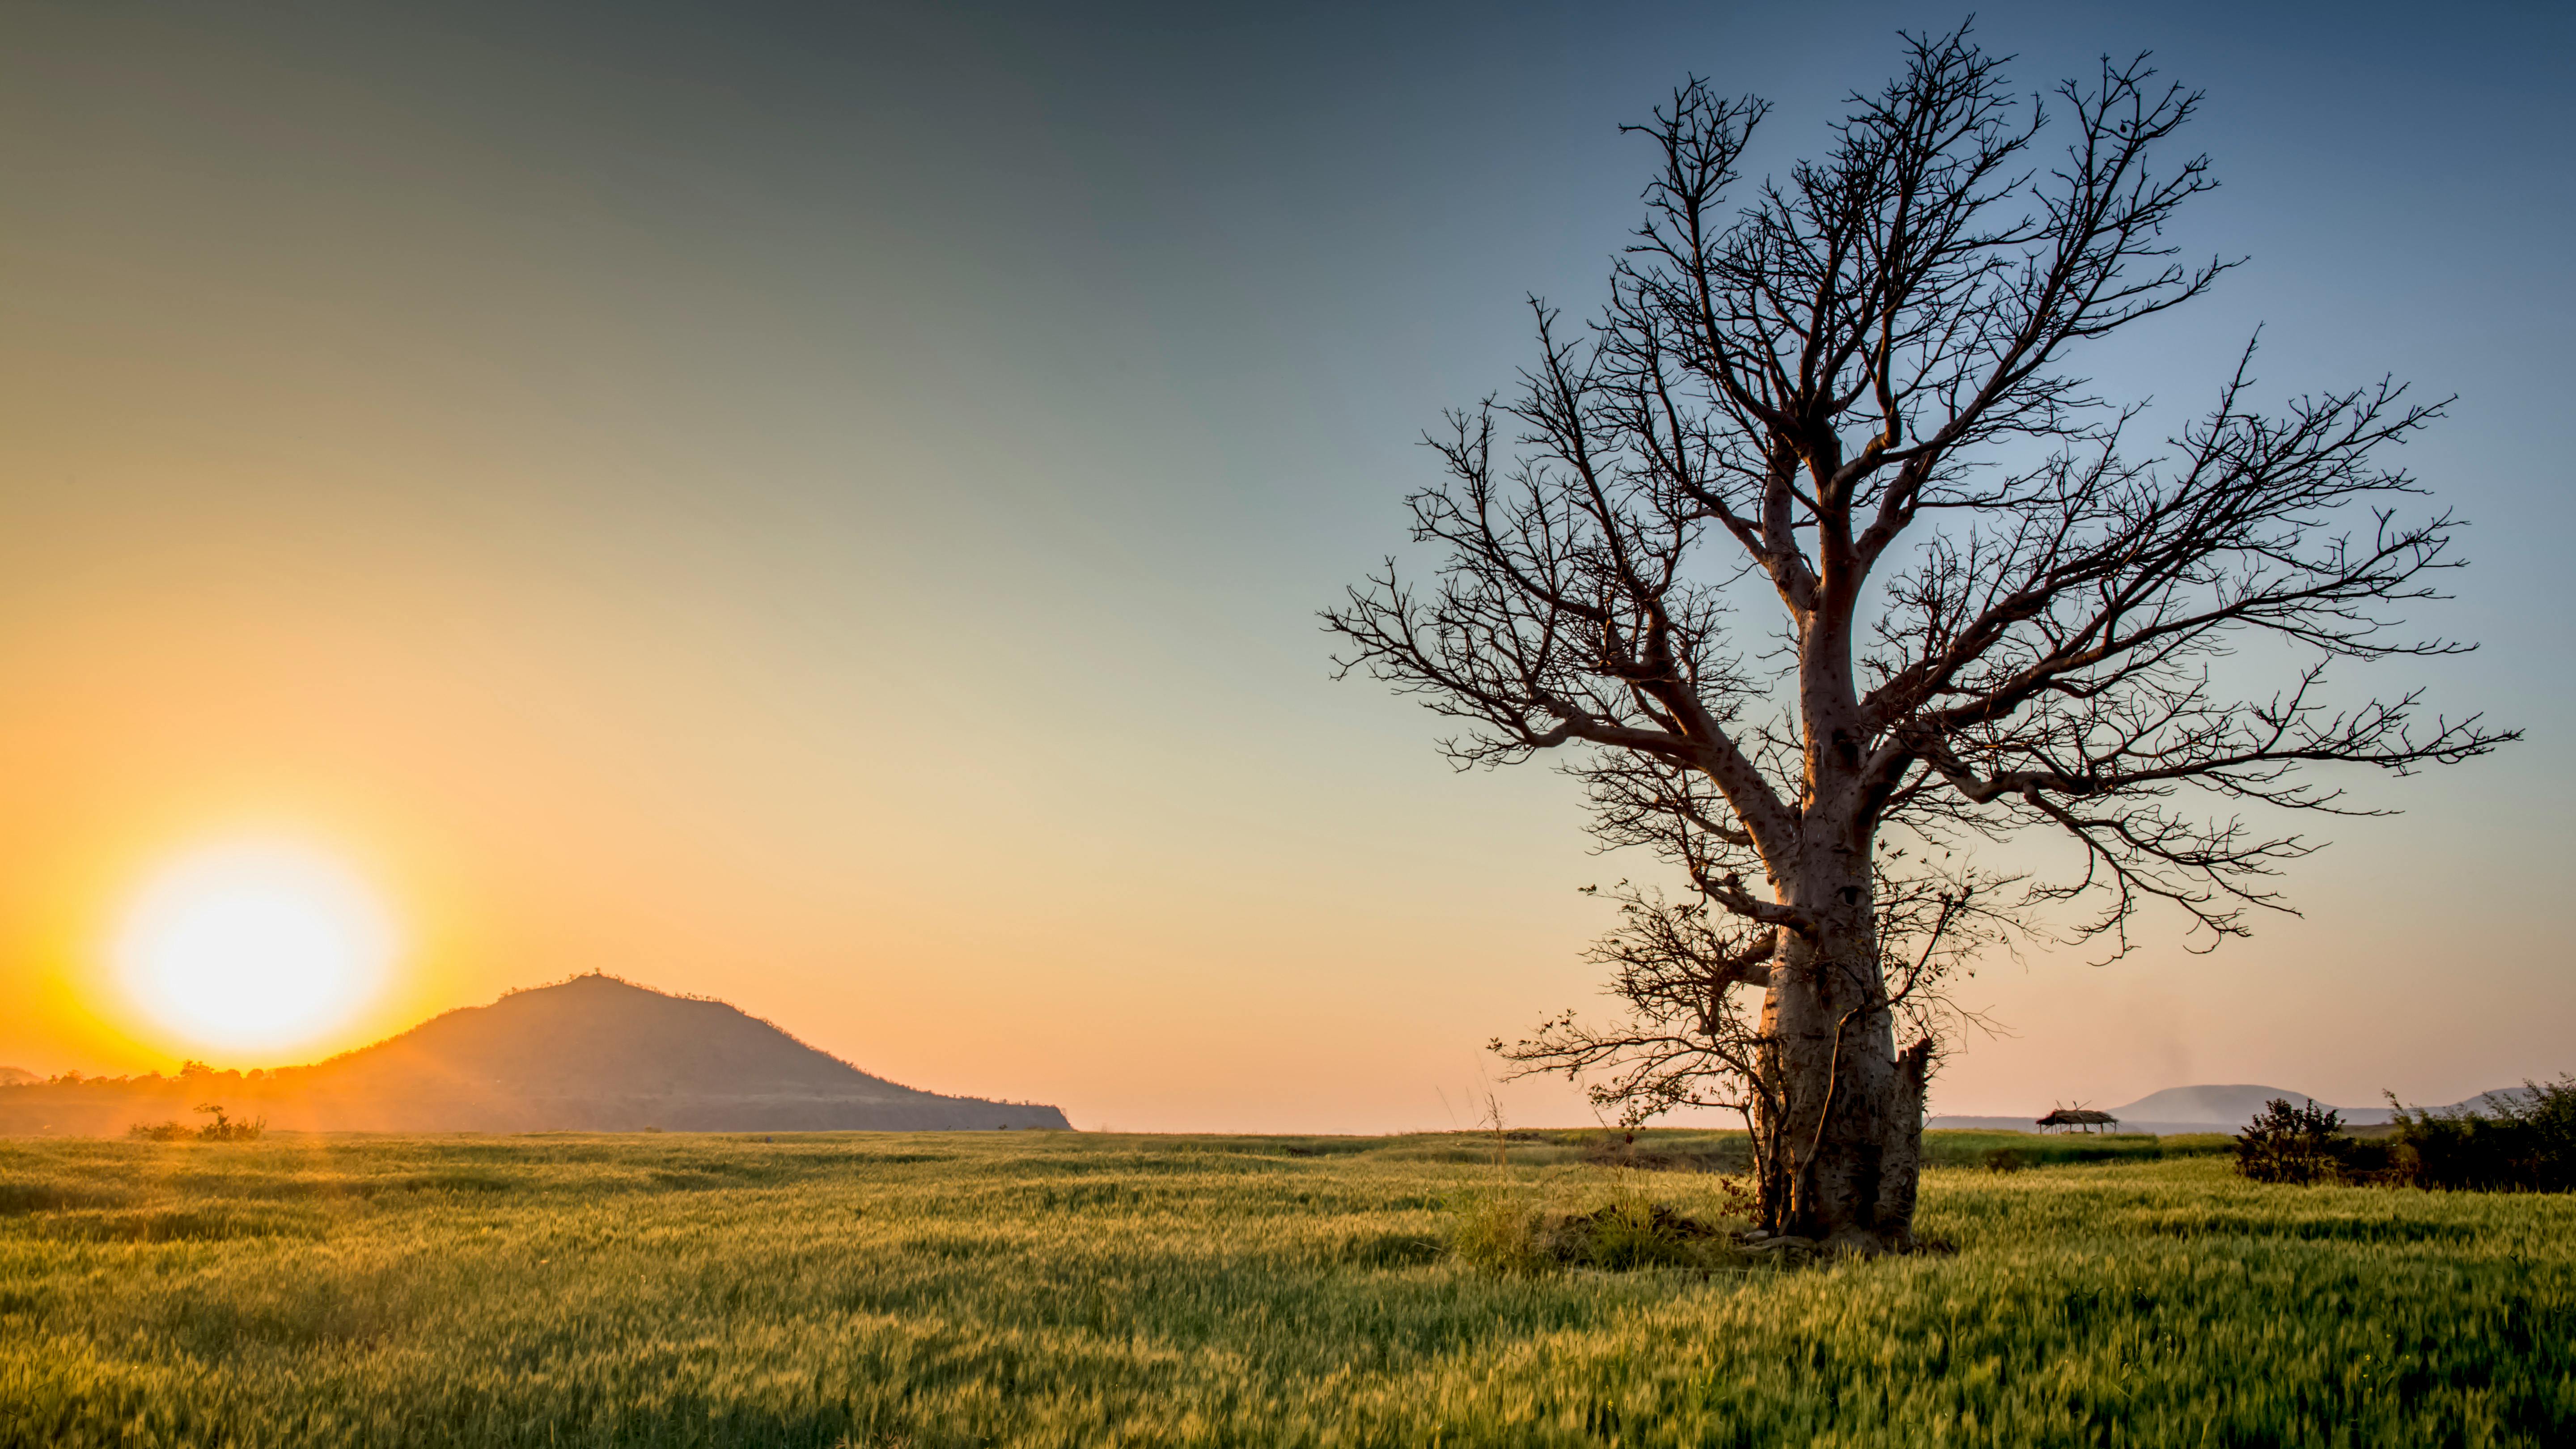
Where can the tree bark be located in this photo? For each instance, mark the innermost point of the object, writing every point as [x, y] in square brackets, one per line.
[1850, 1106]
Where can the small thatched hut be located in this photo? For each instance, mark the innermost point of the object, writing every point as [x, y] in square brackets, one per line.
[2084, 1118]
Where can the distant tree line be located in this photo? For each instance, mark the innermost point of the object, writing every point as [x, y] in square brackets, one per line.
[189, 1074]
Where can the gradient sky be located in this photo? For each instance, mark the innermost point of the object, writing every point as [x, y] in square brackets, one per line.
[824, 506]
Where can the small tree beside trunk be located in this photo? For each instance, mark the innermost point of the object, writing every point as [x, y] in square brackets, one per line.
[1850, 400]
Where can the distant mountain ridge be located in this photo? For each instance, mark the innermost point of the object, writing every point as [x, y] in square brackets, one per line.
[595, 1053]
[2212, 1108]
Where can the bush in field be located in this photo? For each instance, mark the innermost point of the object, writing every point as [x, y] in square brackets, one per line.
[1632, 1233]
[2521, 1142]
[1501, 1229]
[2526, 1143]
[222, 1129]
[2549, 1113]
[1496, 1230]
[2290, 1143]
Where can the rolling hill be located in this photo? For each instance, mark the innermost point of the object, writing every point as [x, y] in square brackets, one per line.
[2223, 1108]
[594, 1053]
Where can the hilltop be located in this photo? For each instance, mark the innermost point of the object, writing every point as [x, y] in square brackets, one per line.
[598, 1035]
[595, 1053]
[2228, 1107]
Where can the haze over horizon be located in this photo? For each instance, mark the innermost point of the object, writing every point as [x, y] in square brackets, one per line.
[825, 510]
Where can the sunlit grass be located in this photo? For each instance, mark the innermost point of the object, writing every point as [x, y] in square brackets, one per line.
[1062, 1289]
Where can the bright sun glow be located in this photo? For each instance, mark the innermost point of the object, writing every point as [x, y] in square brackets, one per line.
[256, 944]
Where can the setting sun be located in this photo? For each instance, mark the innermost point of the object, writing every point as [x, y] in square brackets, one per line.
[252, 945]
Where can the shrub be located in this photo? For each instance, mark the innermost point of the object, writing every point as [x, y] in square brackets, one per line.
[1500, 1229]
[1497, 1230]
[2525, 1143]
[222, 1129]
[2287, 1143]
[1633, 1233]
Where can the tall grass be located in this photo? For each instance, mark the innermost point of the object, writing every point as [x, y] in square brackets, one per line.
[1059, 1289]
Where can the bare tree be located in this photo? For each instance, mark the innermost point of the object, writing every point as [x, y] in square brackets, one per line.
[1851, 396]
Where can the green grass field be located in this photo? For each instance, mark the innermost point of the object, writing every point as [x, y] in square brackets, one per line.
[1084, 1289]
